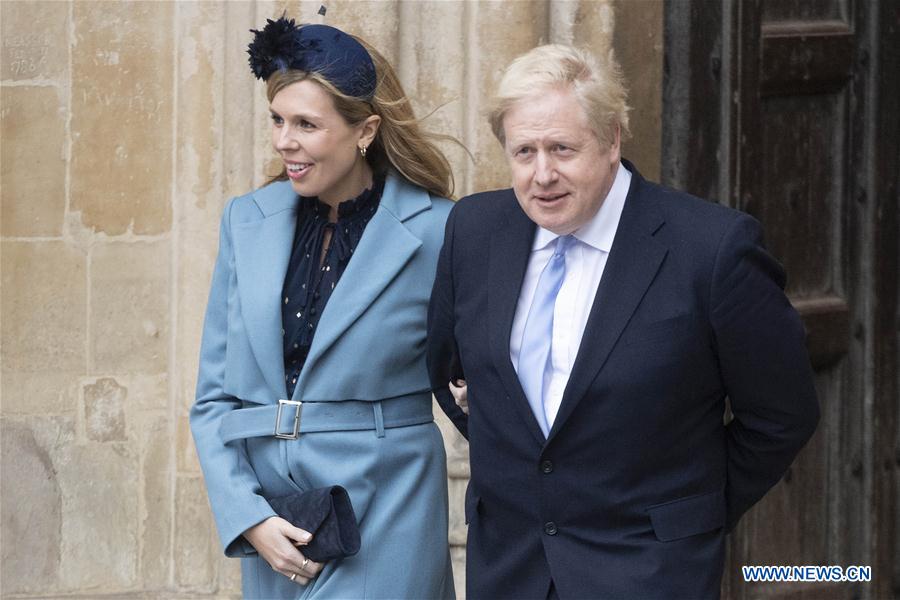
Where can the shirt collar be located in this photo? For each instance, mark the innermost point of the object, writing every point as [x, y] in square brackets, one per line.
[600, 231]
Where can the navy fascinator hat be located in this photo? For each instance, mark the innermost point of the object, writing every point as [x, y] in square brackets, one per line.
[328, 51]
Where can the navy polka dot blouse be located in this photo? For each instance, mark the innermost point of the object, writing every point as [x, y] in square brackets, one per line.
[309, 282]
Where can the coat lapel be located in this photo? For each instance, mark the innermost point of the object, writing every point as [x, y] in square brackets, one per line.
[262, 249]
[509, 254]
[634, 260]
[384, 249]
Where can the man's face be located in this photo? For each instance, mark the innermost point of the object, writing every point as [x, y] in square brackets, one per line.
[560, 172]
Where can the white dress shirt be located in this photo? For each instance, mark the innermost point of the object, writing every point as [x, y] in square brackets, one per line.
[585, 262]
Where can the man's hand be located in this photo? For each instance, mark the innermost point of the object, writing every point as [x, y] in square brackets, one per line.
[460, 394]
[276, 540]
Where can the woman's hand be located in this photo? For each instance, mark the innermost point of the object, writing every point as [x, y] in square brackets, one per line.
[276, 540]
[460, 394]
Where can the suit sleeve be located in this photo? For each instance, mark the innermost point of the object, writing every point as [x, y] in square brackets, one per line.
[764, 363]
[233, 488]
[443, 353]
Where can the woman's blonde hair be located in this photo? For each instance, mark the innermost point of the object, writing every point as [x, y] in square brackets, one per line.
[401, 142]
[598, 86]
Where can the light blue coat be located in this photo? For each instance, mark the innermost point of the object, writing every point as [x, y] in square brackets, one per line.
[369, 345]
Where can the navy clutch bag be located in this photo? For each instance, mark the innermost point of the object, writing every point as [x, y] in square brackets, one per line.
[327, 514]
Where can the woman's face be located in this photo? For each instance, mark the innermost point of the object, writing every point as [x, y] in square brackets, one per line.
[320, 150]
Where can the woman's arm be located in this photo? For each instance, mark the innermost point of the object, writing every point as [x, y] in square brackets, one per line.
[460, 394]
[276, 540]
[234, 491]
[245, 521]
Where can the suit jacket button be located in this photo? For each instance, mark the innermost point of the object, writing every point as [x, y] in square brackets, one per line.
[546, 466]
[550, 528]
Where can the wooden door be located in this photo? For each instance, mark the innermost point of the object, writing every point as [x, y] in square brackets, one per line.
[787, 109]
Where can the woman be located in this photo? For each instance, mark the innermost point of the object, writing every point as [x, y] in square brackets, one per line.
[320, 295]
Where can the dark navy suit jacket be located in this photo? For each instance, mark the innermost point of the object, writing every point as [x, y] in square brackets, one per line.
[632, 493]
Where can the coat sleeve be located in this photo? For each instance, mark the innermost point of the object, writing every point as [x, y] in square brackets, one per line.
[761, 346]
[443, 354]
[233, 488]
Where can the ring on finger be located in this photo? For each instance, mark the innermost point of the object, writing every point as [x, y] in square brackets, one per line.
[293, 576]
[305, 562]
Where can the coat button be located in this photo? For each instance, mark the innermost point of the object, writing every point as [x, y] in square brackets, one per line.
[550, 528]
[546, 466]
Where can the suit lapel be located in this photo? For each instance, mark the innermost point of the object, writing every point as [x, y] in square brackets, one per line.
[262, 249]
[384, 249]
[634, 260]
[509, 254]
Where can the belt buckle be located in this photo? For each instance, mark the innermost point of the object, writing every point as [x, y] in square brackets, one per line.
[295, 432]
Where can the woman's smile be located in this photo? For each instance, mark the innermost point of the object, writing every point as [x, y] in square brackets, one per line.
[296, 171]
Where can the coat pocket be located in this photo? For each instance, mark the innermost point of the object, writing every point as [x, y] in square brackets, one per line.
[688, 516]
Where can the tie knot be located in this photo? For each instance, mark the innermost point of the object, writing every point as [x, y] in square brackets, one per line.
[563, 243]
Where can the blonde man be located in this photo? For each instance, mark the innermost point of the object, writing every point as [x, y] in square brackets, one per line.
[600, 321]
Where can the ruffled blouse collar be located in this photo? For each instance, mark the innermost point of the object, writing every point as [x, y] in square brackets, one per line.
[348, 210]
[353, 215]
[312, 222]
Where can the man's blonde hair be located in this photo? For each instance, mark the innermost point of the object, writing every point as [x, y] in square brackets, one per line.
[598, 86]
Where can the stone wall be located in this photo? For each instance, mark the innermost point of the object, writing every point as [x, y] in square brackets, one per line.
[125, 128]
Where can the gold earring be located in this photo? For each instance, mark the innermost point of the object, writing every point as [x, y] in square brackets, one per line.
[362, 151]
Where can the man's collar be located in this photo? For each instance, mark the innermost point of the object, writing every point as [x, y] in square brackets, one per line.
[600, 231]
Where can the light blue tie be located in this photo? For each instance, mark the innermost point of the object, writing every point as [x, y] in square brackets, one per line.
[535, 365]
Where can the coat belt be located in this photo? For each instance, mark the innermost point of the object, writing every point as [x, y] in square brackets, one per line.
[288, 419]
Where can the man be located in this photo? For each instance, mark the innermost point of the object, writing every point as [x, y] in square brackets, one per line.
[600, 321]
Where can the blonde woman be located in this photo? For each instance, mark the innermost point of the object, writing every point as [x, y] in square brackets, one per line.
[312, 367]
